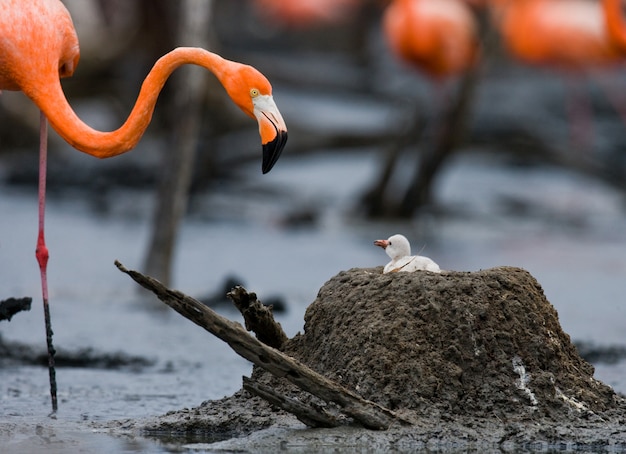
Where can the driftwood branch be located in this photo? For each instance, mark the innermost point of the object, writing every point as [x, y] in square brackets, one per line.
[258, 317]
[367, 413]
[11, 306]
[308, 414]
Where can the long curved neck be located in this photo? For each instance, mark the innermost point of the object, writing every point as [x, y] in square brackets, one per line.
[52, 101]
[615, 23]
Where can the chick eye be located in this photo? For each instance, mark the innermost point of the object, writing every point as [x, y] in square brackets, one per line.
[254, 92]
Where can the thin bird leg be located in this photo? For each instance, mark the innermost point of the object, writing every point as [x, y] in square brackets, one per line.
[42, 254]
[441, 98]
[613, 94]
[580, 115]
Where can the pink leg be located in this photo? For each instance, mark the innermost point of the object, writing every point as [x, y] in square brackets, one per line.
[42, 255]
[441, 97]
[580, 116]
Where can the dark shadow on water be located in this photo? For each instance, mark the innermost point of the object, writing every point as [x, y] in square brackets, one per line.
[605, 354]
[16, 353]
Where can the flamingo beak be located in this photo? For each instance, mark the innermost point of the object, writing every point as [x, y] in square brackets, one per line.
[272, 129]
[381, 243]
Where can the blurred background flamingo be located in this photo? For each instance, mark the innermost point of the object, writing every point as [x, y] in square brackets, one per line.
[441, 40]
[577, 38]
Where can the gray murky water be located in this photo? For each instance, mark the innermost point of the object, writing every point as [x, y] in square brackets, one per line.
[571, 237]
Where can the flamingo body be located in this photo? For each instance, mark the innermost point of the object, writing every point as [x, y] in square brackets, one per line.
[568, 34]
[22, 59]
[439, 37]
[398, 249]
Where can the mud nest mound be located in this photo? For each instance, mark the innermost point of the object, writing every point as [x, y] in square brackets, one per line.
[473, 358]
[482, 343]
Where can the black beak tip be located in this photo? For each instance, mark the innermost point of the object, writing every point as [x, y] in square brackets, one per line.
[272, 151]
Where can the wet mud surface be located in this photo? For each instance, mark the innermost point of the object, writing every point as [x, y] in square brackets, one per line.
[474, 359]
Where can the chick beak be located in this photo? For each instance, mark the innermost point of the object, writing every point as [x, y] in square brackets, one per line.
[381, 243]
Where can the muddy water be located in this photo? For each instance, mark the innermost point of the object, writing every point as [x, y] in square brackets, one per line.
[566, 230]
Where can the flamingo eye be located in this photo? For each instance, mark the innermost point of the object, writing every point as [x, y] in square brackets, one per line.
[254, 92]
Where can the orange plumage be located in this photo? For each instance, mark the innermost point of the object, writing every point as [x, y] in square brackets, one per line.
[439, 37]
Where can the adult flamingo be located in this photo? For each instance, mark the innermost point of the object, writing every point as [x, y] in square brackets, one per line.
[437, 37]
[38, 46]
[575, 36]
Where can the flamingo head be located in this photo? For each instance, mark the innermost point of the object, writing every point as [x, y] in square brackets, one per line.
[396, 246]
[252, 92]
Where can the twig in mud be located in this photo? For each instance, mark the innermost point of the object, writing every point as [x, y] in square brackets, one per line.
[258, 317]
[309, 415]
[369, 414]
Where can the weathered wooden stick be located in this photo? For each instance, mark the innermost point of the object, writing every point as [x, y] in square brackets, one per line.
[11, 306]
[367, 413]
[258, 318]
[312, 417]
